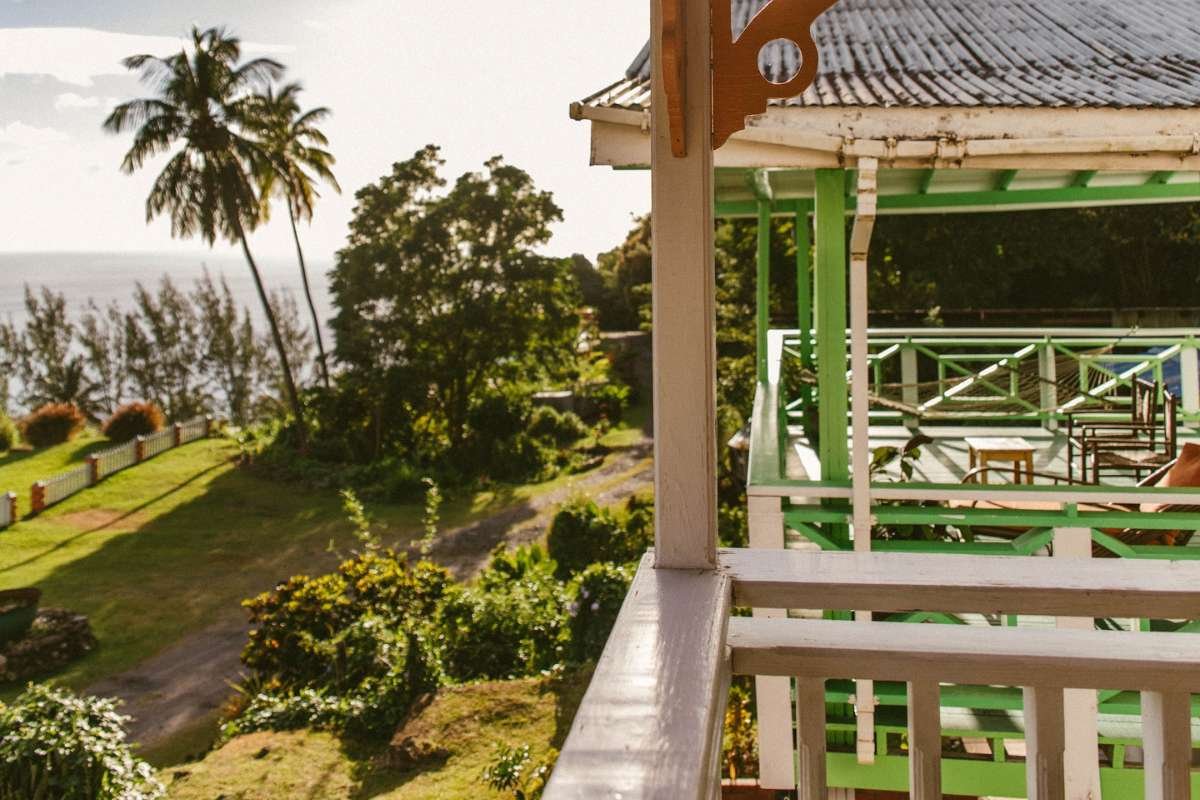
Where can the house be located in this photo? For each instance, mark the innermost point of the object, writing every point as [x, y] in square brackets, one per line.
[915, 106]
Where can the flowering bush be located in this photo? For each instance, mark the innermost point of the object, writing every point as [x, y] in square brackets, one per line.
[54, 744]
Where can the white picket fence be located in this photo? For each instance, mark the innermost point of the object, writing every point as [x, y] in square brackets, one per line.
[115, 459]
[8, 509]
[60, 487]
[108, 462]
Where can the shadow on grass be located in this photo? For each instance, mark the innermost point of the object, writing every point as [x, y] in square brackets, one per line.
[67, 542]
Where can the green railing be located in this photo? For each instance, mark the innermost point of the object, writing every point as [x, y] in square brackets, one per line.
[1018, 375]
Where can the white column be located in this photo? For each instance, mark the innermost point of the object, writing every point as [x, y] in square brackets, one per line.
[909, 378]
[1048, 375]
[1044, 744]
[925, 740]
[860, 405]
[1189, 362]
[1080, 706]
[811, 782]
[776, 757]
[685, 454]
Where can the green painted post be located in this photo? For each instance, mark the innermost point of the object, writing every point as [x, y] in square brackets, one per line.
[832, 394]
[804, 300]
[763, 286]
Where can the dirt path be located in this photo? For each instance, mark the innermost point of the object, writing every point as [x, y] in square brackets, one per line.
[184, 686]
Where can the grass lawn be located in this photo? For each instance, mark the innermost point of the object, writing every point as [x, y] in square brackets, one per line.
[468, 722]
[170, 546]
[20, 468]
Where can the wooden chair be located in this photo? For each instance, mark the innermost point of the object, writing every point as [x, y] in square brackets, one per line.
[1129, 536]
[1132, 453]
[1143, 421]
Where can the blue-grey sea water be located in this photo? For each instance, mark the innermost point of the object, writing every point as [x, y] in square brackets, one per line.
[106, 277]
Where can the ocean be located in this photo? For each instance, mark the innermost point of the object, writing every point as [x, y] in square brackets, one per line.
[105, 277]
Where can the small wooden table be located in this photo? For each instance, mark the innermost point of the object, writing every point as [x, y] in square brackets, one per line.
[1013, 450]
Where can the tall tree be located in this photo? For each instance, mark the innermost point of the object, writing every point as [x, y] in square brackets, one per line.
[298, 161]
[441, 295]
[204, 112]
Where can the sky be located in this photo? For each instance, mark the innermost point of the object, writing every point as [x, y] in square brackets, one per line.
[477, 77]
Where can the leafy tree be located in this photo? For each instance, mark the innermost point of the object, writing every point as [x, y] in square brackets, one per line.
[42, 357]
[204, 112]
[298, 159]
[102, 337]
[297, 343]
[164, 351]
[442, 295]
[626, 274]
[232, 355]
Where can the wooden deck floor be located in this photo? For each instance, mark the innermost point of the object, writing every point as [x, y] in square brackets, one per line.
[947, 460]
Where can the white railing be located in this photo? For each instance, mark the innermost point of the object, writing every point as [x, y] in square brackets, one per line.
[8, 509]
[157, 443]
[649, 724]
[60, 487]
[115, 459]
[193, 429]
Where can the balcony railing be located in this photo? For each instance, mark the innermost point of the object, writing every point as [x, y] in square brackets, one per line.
[650, 724]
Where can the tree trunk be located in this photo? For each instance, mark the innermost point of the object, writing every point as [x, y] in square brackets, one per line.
[308, 296]
[288, 381]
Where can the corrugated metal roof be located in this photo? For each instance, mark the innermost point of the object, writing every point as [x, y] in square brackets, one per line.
[1001, 53]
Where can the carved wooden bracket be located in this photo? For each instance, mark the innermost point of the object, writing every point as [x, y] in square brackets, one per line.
[739, 89]
[674, 65]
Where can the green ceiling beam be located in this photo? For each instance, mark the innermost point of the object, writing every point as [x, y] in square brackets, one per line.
[927, 180]
[1006, 180]
[1084, 178]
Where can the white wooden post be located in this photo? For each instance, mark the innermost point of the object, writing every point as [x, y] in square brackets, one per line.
[860, 404]
[685, 450]
[1167, 739]
[811, 780]
[1044, 744]
[776, 758]
[1048, 380]
[1080, 706]
[909, 378]
[1189, 373]
[925, 740]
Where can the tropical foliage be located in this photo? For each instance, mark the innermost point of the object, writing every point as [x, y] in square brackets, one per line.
[132, 420]
[53, 423]
[204, 115]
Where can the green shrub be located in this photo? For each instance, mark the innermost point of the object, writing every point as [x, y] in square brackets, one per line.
[607, 401]
[132, 420]
[598, 593]
[54, 744]
[9, 435]
[583, 533]
[507, 625]
[560, 428]
[514, 772]
[53, 423]
[356, 639]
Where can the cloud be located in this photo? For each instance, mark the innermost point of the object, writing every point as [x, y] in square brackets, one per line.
[78, 56]
[22, 136]
[70, 100]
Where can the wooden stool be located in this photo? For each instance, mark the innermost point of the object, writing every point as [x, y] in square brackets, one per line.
[1013, 450]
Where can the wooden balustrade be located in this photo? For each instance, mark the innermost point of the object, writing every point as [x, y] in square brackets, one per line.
[647, 726]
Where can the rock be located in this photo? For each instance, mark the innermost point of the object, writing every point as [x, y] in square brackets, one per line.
[56, 638]
[411, 752]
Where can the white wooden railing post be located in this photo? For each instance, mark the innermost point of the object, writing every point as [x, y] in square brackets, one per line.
[1189, 363]
[1048, 382]
[1045, 775]
[1081, 708]
[811, 780]
[773, 694]
[684, 306]
[925, 740]
[1167, 739]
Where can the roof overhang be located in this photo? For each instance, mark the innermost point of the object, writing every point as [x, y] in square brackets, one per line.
[942, 159]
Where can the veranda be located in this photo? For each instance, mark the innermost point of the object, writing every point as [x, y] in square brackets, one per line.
[1031, 696]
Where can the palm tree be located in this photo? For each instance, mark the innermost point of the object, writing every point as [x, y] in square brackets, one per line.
[203, 112]
[298, 160]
